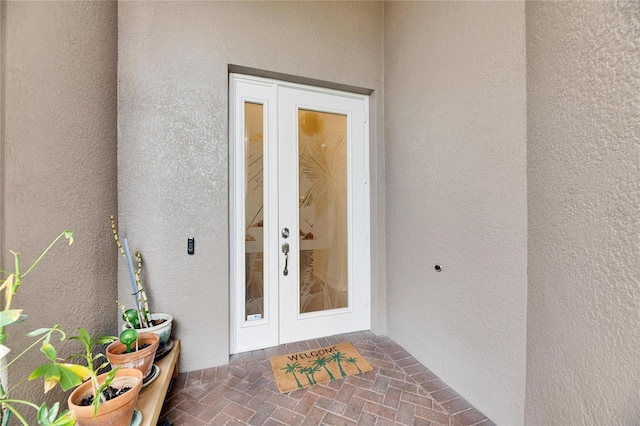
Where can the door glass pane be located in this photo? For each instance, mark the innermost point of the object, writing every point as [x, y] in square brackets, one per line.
[254, 207]
[323, 210]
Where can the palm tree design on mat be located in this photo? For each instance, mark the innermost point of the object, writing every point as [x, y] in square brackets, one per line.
[322, 362]
[354, 361]
[337, 357]
[291, 368]
[310, 373]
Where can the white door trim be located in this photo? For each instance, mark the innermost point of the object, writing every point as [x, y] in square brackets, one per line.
[249, 335]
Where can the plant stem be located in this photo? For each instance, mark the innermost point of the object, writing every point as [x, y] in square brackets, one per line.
[41, 256]
[17, 384]
[19, 401]
[142, 295]
[31, 346]
[14, 411]
[115, 235]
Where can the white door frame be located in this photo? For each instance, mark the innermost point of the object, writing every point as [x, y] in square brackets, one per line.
[265, 332]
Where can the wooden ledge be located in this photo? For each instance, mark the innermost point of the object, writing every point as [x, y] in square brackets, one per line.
[151, 398]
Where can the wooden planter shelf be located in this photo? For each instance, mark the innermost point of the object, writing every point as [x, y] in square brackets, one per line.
[151, 398]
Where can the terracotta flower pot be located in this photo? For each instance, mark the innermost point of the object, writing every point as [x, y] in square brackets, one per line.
[142, 359]
[117, 411]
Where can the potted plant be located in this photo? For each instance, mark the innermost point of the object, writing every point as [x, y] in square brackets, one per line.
[92, 402]
[104, 399]
[65, 375]
[121, 354]
[141, 318]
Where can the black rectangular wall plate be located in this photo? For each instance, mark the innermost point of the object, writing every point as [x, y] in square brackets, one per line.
[191, 242]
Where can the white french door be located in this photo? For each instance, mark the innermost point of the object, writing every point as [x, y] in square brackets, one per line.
[299, 212]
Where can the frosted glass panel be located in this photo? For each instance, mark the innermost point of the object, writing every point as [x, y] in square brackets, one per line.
[254, 203]
[323, 210]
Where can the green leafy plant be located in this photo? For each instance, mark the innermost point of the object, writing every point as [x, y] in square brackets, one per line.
[49, 416]
[90, 344]
[66, 375]
[13, 281]
[56, 373]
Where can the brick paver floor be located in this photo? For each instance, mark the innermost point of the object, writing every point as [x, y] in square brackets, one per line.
[399, 391]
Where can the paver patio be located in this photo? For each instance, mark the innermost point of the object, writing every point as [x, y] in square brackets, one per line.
[399, 390]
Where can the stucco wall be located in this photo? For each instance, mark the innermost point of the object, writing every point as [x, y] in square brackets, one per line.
[455, 136]
[583, 362]
[173, 137]
[59, 166]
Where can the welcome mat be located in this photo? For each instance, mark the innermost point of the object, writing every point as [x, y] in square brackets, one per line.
[301, 369]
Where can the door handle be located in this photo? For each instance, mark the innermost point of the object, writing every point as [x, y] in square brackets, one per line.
[285, 250]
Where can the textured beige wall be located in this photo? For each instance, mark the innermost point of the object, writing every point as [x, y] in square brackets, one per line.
[455, 118]
[173, 137]
[455, 136]
[59, 165]
[583, 361]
